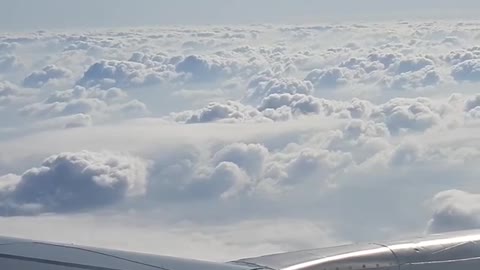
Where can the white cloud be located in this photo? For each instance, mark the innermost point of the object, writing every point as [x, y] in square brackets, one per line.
[77, 181]
[330, 78]
[8, 62]
[125, 74]
[11, 94]
[8, 92]
[231, 111]
[455, 210]
[248, 123]
[265, 85]
[80, 100]
[459, 56]
[468, 70]
[49, 73]
[141, 70]
[201, 69]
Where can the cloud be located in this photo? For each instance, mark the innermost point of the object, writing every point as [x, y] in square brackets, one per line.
[201, 69]
[459, 56]
[7, 46]
[399, 115]
[227, 242]
[118, 73]
[231, 111]
[78, 181]
[472, 102]
[8, 62]
[468, 70]
[455, 210]
[287, 106]
[70, 121]
[143, 69]
[123, 74]
[8, 92]
[49, 73]
[80, 100]
[410, 114]
[265, 85]
[329, 78]
[249, 157]
[11, 94]
[412, 80]
[411, 65]
[387, 70]
[247, 123]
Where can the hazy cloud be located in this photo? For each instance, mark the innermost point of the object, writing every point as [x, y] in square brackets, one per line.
[39, 78]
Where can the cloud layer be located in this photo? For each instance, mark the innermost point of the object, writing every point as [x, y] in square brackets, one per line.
[324, 128]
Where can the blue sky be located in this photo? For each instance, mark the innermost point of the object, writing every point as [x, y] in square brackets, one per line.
[29, 14]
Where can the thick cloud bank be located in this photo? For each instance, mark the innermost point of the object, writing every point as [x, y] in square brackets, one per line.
[455, 210]
[212, 134]
[76, 181]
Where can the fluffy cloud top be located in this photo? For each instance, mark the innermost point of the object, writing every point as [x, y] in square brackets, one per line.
[78, 181]
[264, 85]
[231, 111]
[142, 70]
[468, 70]
[124, 74]
[455, 210]
[49, 73]
[80, 100]
[399, 115]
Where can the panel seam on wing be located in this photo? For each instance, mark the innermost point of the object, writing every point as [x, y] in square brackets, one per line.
[106, 254]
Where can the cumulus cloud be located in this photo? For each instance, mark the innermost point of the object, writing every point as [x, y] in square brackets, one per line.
[143, 69]
[124, 74]
[204, 69]
[459, 56]
[231, 111]
[249, 157]
[49, 73]
[265, 85]
[387, 70]
[468, 70]
[80, 100]
[329, 78]
[399, 115]
[8, 62]
[455, 210]
[287, 106]
[77, 181]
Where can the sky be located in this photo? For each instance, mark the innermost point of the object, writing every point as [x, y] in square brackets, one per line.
[28, 14]
[218, 130]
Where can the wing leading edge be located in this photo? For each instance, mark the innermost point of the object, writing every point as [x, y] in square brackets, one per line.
[20, 254]
[459, 250]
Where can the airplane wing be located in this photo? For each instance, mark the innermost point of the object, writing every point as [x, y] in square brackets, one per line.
[288, 259]
[459, 250]
[21, 254]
